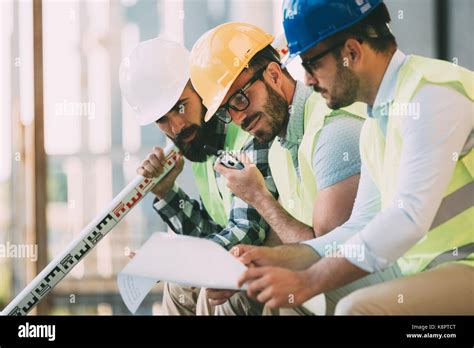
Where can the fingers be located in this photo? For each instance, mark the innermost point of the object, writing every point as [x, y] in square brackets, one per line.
[221, 169]
[217, 296]
[180, 160]
[235, 251]
[245, 159]
[273, 302]
[251, 274]
[257, 286]
[153, 165]
[265, 295]
[158, 152]
[240, 249]
[177, 169]
[217, 302]
[156, 158]
[231, 177]
[251, 256]
[259, 282]
[141, 171]
[150, 170]
[179, 163]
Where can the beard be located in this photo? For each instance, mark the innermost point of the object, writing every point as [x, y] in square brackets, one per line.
[205, 135]
[345, 89]
[275, 111]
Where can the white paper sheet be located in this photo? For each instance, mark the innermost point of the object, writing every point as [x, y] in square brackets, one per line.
[179, 259]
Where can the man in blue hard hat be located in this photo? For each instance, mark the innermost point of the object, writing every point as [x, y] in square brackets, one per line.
[414, 204]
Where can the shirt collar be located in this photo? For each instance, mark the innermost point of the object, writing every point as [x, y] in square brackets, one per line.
[386, 91]
[295, 128]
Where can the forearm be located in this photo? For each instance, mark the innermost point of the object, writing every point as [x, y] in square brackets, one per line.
[296, 257]
[332, 273]
[288, 229]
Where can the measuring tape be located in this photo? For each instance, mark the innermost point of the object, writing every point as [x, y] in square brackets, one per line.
[89, 237]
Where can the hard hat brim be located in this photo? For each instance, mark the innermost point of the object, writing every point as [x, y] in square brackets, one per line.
[165, 107]
[219, 98]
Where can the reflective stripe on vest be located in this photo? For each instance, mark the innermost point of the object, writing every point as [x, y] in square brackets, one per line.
[297, 194]
[454, 204]
[215, 195]
[451, 229]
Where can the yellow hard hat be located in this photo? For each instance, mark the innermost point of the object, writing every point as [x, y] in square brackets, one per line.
[219, 56]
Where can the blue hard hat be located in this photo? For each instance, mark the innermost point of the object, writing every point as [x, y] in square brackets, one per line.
[308, 22]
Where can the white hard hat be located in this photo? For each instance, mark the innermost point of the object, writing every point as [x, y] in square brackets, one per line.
[153, 77]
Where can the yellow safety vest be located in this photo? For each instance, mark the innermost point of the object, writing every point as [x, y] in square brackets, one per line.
[451, 235]
[215, 195]
[297, 194]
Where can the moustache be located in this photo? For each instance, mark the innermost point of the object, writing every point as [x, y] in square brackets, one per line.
[186, 132]
[249, 119]
[319, 90]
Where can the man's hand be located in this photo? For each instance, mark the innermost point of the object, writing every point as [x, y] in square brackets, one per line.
[218, 296]
[152, 167]
[241, 249]
[261, 256]
[292, 256]
[277, 287]
[247, 184]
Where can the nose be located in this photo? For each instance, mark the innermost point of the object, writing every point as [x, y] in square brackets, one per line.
[309, 79]
[177, 124]
[237, 116]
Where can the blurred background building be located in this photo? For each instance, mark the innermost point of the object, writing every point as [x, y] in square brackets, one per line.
[68, 143]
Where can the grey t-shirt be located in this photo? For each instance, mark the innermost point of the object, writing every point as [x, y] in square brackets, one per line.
[336, 155]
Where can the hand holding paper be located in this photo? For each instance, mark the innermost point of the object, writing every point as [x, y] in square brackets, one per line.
[179, 259]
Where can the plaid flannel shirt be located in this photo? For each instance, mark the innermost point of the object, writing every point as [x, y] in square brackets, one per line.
[188, 216]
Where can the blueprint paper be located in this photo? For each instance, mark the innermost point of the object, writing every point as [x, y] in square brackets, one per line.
[185, 260]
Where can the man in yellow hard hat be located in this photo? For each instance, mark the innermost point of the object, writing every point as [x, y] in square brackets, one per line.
[314, 161]
[415, 204]
[154, 79]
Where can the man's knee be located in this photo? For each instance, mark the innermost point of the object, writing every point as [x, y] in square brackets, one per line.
[179, 299]
[180, 293]
[357, 303]
[240, 304]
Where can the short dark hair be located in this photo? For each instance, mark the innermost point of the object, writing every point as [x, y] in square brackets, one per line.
[373, 29]
[264, 57]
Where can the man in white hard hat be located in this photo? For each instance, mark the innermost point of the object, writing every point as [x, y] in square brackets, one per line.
[154, 80]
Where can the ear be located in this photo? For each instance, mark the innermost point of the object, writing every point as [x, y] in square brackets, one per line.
[274, 74]
[352, 53]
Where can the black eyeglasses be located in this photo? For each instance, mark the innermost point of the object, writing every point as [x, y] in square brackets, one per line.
[310, 64]
[239, 101]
